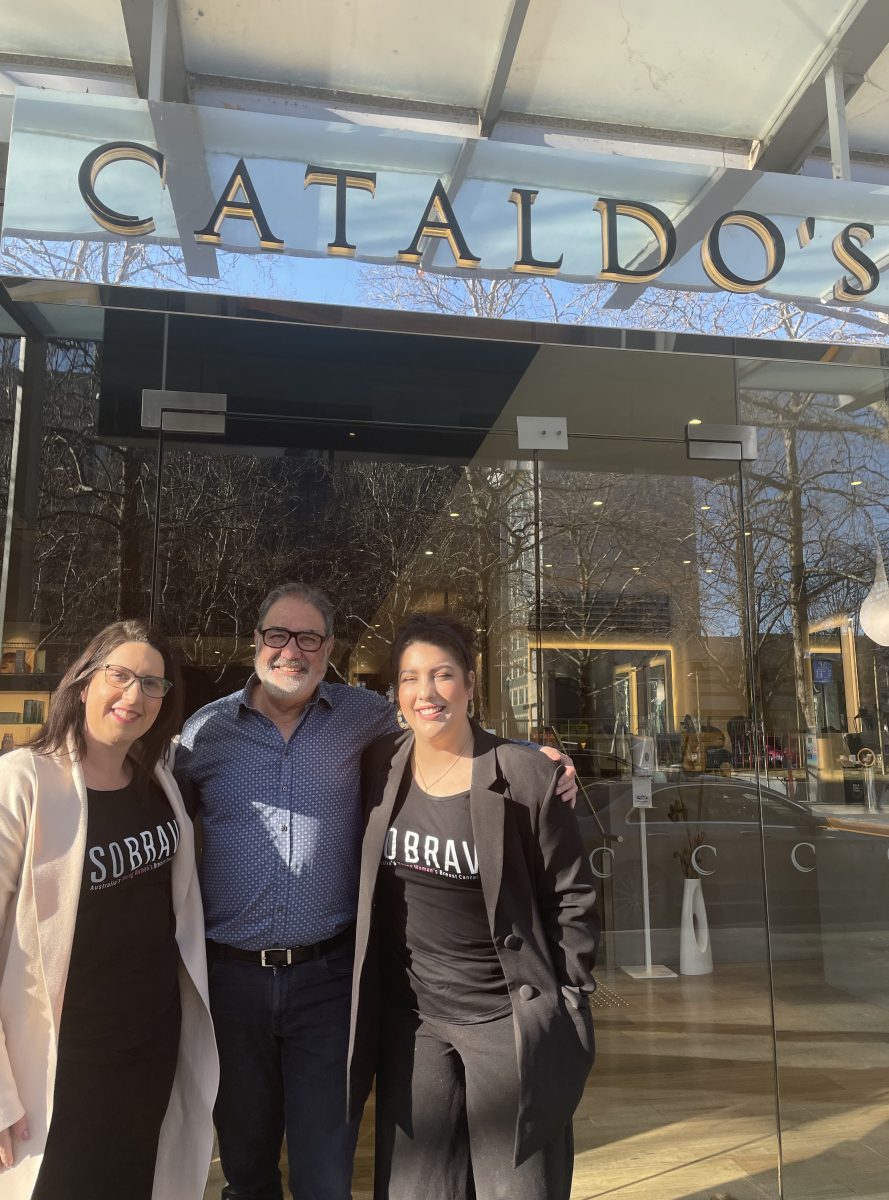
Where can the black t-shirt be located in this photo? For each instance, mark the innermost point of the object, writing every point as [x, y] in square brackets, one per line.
[122, 993]
[438, 957]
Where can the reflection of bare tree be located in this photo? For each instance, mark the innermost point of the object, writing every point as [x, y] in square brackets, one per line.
[93, 514]
[614, 550]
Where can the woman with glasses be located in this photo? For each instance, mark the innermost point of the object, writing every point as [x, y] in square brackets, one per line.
[108, 1067]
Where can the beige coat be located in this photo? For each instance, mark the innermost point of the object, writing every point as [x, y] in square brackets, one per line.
[43, 824]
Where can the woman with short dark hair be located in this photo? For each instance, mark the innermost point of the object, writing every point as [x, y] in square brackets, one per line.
[108, 1067]
[475, 944]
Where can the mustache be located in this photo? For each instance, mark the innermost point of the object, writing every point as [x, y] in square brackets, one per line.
[290, 662]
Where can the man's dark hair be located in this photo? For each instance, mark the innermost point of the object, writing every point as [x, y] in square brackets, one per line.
[66, 711]
[301, 591]
[436, 629]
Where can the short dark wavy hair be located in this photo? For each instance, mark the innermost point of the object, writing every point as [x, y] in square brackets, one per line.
[66, 711]
[436, 629]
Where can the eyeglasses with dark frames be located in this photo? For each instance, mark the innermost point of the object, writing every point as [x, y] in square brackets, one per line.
[153, 686]
[277, 638]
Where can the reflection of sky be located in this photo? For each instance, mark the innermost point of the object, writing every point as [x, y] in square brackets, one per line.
[48, 232]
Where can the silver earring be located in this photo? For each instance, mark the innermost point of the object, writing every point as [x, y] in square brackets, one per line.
[401, 719]
[470, 712]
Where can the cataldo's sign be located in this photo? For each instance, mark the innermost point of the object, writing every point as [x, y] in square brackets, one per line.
[239, 200]
[108, 190]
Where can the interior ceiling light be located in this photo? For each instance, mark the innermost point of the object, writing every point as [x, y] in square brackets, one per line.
[352, 433]
[857, 482]
[598, 503]
[705, 508]
[686, 561]
[637, 568]
[708, 571]
[428, 553]
[695, 421]
[453, 514]
[747, 534]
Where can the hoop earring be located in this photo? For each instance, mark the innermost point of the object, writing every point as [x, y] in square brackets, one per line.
[401, 719]
[470, 712]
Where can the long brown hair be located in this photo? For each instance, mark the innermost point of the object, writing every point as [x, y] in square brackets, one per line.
[66, 713]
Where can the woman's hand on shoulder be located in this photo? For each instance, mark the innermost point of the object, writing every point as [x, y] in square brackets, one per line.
[566, 788]
[18, 1130]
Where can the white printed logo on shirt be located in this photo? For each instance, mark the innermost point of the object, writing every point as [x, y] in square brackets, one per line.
[145, 851]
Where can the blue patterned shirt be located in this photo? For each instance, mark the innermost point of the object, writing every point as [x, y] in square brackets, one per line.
[282, 822]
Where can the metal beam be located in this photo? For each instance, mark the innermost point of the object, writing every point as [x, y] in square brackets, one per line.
[836, 121]
[138, 21]
[26, 316]
[488, 115]
[508, 47]
[43, 64]
[155, 40]
[801, 124]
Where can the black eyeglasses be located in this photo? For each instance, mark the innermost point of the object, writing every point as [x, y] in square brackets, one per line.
[151, 685]
[278, 638]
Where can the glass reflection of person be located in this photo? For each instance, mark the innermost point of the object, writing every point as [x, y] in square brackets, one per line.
[108, 1067]
[476, 939]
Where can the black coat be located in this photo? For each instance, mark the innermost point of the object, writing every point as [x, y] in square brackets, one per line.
[540, 897]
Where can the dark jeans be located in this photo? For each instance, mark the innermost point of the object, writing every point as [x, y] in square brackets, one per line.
[283, 1035]
[446, 1108]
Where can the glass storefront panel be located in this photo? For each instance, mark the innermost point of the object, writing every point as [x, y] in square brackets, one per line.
[646, 683]
[816, 502]
[79, 528]
[608, 588]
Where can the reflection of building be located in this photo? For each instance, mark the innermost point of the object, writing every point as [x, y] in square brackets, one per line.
[25, 686]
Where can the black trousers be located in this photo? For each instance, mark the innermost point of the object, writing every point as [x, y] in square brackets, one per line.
[106, 1121]
[447, 1099]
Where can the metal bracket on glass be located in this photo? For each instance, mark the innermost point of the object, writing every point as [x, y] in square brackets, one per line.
[722, 443]
[184, 412]
[542, 433]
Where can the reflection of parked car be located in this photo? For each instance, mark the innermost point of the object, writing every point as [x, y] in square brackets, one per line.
[777, 753]
[721, 826]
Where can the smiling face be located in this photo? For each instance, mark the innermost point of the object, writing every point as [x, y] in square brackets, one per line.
[290, 675]
[434, 693]
[115, 716]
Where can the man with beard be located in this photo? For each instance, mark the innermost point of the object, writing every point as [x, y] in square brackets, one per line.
[276, 771]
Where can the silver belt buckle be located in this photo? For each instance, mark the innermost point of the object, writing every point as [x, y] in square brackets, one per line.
[275, 950]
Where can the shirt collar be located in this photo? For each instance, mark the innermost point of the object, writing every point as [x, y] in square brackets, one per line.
[323, 695]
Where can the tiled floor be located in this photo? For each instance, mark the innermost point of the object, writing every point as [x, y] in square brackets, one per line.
[681, 1104]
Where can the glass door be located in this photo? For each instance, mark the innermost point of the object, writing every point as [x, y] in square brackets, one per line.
[819, 525]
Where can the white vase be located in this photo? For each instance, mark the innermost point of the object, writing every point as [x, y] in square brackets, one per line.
[695, 953]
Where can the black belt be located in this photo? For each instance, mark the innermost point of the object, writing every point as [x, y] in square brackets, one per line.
[281, 956]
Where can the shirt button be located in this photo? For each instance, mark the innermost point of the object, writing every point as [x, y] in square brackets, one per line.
[280, 908]
[283, 828]
[512, 941]
[527, 992]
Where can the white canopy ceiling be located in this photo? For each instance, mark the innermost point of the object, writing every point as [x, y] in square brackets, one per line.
[692, 73]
